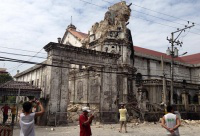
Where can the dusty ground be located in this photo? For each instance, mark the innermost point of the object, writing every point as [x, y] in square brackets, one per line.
[144, 129]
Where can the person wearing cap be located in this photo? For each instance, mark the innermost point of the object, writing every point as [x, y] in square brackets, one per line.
[123, 114]
[85, 122]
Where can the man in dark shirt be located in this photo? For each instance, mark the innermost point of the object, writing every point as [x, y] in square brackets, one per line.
[85, 122]
[5, 109]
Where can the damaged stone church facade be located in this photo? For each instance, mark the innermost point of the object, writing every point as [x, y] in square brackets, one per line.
[98, 70]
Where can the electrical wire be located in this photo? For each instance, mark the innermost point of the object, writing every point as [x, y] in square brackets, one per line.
[115, 72]
[162, 18]
[138, 17]
[44, 64]
[21, 55]
[138, 67]
[162, 24]
[21, 50]
[15, 67]
[157, 12]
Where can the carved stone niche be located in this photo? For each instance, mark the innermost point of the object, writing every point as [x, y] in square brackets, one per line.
[79, 90]
[94, 90]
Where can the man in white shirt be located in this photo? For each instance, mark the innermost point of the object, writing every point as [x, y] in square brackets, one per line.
[27, 118]
[171, 122]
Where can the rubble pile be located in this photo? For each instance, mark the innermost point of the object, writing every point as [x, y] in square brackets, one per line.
[75, 110]
[190, 122]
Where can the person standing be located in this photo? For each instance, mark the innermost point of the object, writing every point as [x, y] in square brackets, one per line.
[13, 111]
[85, 122]
[171, 122]
[5, 109]
[27, 117]
[123, 119]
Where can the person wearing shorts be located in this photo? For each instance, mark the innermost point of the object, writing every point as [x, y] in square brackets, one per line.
[123, 119]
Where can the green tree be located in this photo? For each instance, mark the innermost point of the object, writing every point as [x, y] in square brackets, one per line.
[5, 77]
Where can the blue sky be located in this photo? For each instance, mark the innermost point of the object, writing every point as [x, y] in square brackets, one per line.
[31, 24]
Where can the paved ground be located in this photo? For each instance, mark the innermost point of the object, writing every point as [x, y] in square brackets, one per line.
[148, 129]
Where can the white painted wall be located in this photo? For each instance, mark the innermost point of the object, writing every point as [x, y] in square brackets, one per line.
[72, 40]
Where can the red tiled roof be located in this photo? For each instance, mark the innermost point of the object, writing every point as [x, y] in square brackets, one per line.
[192, 59]
[153, 53]
[150, 52]
[3, 70]
[80, 35]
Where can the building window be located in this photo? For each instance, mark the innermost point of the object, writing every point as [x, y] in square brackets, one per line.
[37, 83]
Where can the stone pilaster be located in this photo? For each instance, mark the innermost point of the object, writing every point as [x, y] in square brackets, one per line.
[58, 93]
[199, 97]
[185, 99]
[108, 96]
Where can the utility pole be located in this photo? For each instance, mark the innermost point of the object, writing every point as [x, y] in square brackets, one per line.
[173, 52]
[164, 82]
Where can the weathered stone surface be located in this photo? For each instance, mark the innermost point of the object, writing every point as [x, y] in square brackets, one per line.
[94, 82]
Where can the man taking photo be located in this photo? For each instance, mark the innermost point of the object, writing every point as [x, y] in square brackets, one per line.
[85, 122]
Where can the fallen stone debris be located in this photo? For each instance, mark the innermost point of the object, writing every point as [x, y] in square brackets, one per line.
[190, 122]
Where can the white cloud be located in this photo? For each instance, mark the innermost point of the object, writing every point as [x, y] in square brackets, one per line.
[31, 24]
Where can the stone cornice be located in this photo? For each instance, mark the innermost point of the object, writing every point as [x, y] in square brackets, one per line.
[70, 48]
[159, 82]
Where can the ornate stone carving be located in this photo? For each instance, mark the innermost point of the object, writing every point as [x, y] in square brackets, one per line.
[94, 90]
[115, 21]
[80, 90]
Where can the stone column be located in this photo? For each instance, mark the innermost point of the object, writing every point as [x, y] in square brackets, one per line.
[108, 96]
[179, 97]
[58, 92]
[185, 99]
[125, 89]
[199, 97]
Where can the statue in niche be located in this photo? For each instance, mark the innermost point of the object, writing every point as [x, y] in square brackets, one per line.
[80, 90]
[94, 90]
